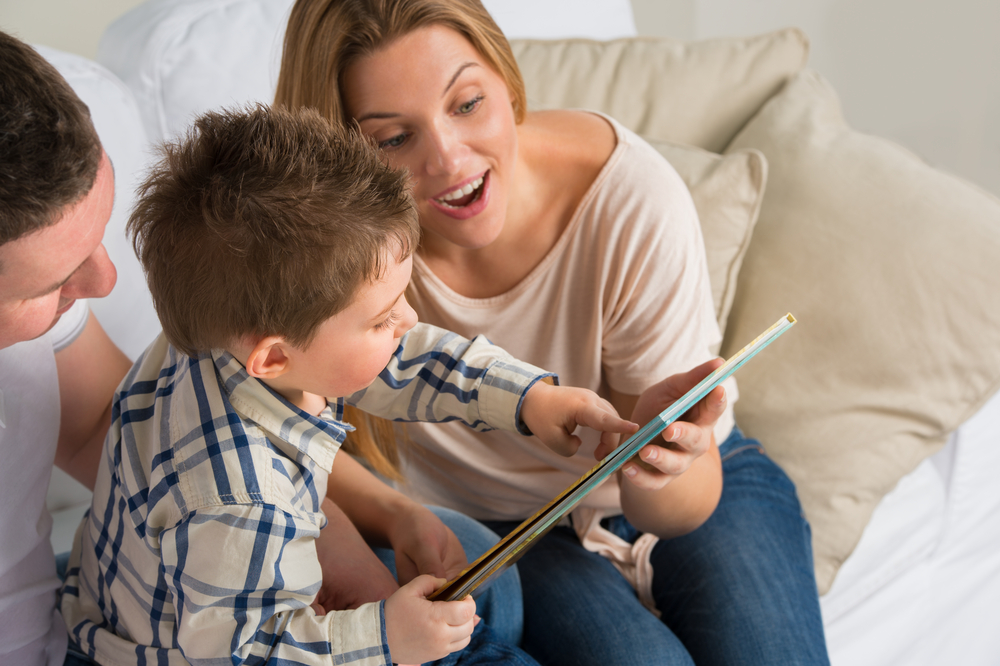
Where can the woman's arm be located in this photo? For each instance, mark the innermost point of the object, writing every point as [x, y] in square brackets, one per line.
[385, 517]
[679, 482]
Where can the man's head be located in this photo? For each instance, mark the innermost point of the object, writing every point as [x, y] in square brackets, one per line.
[266, 222]
[56, 193]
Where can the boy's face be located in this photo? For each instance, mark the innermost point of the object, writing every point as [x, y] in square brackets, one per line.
[352, 347]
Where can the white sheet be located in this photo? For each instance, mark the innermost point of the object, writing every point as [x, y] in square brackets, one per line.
[923, 585]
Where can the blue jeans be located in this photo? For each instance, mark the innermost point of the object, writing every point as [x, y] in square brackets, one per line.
[738, 590]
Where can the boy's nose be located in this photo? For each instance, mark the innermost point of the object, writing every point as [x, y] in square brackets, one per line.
[407, 320]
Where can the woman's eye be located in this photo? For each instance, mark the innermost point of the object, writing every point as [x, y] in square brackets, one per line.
[394, 142]
[471, 105]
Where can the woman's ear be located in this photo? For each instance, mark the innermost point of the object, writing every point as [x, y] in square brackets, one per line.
[269, 358]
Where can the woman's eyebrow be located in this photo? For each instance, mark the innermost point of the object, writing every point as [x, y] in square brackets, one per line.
[454, 77]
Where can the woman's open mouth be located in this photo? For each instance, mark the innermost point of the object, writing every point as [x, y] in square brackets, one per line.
[463, 196]
[466, 201]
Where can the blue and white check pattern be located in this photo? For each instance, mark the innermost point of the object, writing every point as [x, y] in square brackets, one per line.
[199, 544]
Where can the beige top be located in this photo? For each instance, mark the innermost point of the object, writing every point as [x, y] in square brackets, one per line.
[622, 300]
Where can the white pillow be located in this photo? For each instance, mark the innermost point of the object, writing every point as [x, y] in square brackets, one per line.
[184, 57]
[127, 314]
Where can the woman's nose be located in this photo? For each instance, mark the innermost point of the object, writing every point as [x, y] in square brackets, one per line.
[444, 152]
[94, 279]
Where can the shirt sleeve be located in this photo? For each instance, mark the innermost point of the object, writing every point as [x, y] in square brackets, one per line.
[658, 318]
[437, 376]
[243, 577]
[70, 326]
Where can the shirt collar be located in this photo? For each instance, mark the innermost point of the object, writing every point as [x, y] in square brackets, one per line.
[318, 437]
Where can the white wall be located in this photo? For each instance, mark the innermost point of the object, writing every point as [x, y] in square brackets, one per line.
[924, 73]
[67, 25]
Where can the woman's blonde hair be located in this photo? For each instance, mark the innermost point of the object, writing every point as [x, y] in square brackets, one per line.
[323, 38]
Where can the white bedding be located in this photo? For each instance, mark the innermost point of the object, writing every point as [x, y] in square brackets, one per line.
[923, 585]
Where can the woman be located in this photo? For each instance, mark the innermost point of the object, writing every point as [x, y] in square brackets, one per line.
[567, 240]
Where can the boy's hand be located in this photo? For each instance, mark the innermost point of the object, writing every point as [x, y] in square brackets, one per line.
[552, 413]
[684, 441]
[424, 545]
[419, 630]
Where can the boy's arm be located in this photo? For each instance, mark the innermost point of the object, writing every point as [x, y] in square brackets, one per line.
[243, 578]
[436, 375]
[89, 369]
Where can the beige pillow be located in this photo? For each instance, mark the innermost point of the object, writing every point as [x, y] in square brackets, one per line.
[891, 268]
[727, 192]
[699, 93]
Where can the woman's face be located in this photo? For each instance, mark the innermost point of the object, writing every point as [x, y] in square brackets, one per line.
[437, 108]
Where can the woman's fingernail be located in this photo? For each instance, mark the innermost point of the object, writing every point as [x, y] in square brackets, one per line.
[630, 471]
[650, 455]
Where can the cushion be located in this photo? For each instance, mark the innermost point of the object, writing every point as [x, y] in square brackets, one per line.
[699, 93]
[727, 192]
[890, 267]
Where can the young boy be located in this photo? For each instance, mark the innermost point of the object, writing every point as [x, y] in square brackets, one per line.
[277, 251]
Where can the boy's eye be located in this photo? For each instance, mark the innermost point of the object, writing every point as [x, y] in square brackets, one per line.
[394, 142]
[471, 105]
[388, 322]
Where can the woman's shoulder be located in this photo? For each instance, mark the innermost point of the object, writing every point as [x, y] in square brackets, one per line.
[571, 140]
[587, 142]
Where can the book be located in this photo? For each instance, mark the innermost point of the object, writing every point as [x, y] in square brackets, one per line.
[477, 576]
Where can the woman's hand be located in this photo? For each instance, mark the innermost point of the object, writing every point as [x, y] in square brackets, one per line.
[673, 484]
[685, 440]
[552, 413]
[424, 545]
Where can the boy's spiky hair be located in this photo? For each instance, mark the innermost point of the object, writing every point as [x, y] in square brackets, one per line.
[265, 221]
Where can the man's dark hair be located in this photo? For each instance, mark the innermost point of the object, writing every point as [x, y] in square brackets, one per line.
[49, 150]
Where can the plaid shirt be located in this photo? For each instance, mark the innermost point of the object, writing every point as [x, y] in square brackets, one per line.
[199, 544]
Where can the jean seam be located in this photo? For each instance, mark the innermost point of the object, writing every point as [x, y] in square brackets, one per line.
[741, 449]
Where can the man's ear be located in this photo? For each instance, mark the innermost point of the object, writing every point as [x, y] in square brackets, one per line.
[269, 358]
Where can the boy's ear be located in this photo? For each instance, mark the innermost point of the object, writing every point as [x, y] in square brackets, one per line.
[269, 358]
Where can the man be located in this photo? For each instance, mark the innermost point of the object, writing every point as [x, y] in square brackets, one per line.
[58, 368]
